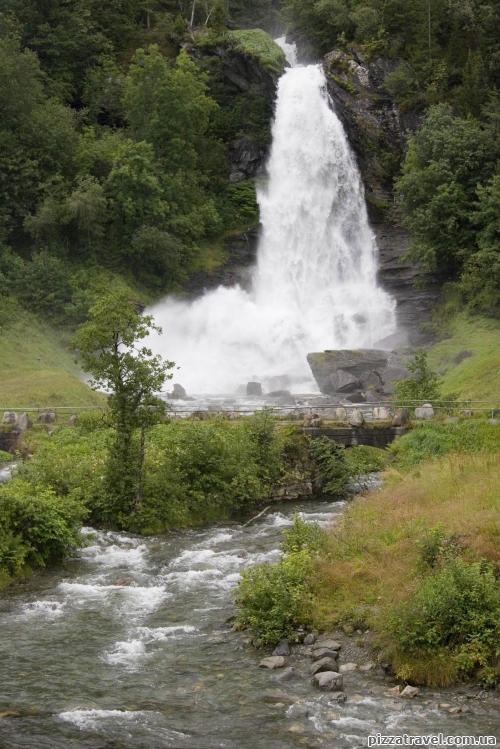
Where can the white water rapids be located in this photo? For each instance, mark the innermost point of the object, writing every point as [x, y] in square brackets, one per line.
[314, 287]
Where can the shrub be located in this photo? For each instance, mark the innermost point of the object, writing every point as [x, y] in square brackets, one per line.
[331, 466]
[302, 536]
[363, 459]
[36, 526]
[423, 385]
[454, 619]
[272, 598]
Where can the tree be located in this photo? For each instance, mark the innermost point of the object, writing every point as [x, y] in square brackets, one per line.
[423, 385]
[437, 190]
[109, 344]
[43, 285]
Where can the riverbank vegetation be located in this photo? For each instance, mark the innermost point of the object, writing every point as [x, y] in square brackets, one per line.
[417, 563]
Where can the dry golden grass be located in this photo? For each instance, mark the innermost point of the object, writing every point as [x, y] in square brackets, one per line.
[372, 559]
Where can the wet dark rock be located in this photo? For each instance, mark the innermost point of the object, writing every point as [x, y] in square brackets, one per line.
[282, 648]
[279, 394]
[371, 381]
[372, 121]
[341, 382]
[254, 388]
[178, 393]
[417, 292]
[247, 159]
[241, 255]
[324, 664]
[358, 397]
[309, 639]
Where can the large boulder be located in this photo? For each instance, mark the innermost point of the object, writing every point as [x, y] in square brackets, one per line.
[254, 388]
[328, 681]
[355, 363]
[9, 417]
[178, 393]
[381, 413]
[341, 382]
[371, 381]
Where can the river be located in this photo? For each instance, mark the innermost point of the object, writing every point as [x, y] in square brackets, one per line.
[91, 661]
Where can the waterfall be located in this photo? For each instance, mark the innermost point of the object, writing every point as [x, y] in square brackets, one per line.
[314, 287]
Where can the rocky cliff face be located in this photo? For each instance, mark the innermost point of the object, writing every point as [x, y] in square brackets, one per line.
[233, 73]
[377, 133]
[241, 253]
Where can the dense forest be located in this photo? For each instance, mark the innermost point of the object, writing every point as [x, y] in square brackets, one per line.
[114, 136]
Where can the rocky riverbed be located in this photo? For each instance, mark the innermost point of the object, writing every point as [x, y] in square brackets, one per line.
[130, 646]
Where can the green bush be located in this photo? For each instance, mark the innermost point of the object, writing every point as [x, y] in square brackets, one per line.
[454, 615]
[331, 466]
[273, 599]
[37, 527]
[5, 457]
[194, 471]
[363, 459]
[428, 441]
[302, 536]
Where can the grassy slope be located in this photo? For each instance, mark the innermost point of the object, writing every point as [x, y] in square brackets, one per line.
[479, 376]
[372, 559]
[52, 381]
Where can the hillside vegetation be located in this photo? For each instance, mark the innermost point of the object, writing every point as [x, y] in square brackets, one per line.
[469, 358]
[37, 369]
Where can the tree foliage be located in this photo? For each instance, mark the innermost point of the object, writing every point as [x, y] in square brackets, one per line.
[109, 345]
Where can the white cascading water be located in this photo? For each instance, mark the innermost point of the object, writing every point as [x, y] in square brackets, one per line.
[314, 287]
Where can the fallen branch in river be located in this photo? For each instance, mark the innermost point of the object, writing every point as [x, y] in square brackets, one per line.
[257, 516]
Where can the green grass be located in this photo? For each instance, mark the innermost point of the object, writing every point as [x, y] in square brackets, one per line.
[477, 377]
[260, 45]
[38, 369]
[373, 561]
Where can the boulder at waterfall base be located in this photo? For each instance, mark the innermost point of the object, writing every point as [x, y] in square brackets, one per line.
[326, 364]
[254, 388]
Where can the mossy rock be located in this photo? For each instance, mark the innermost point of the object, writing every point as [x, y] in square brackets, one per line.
[262, 47]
